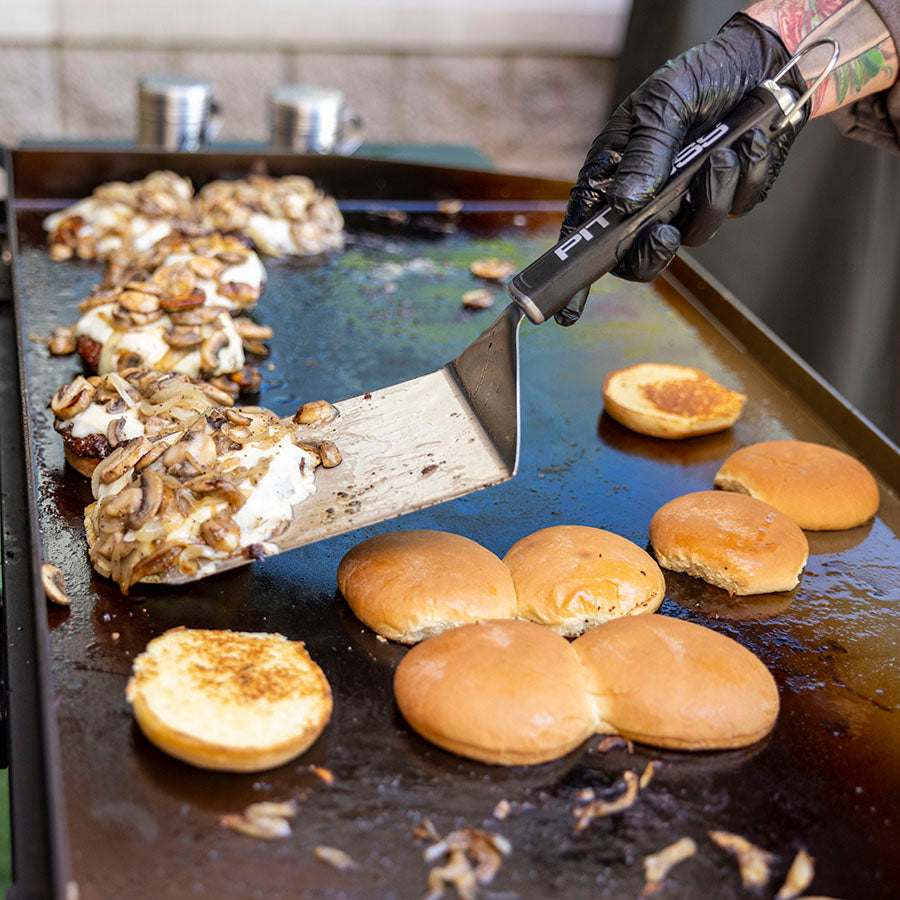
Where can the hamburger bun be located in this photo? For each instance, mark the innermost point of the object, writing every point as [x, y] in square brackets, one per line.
[572, 577]
[504, 692]
[670, 683]
[730, 540]
[668, 401]
[820, 488]
[84, 465]
[229, 700]
[410, 585]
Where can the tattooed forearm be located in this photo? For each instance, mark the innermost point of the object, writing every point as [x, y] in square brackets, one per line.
[868, 60]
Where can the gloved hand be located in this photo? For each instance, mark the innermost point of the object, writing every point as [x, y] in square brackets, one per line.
[632, 157]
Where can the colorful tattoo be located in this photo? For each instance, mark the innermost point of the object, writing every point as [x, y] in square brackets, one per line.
[868, 56]
[858, 71]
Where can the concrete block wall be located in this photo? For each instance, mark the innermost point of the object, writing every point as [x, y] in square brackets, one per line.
[529, 97]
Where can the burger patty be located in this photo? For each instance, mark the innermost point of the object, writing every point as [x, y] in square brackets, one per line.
[89, 351]
[92, 445]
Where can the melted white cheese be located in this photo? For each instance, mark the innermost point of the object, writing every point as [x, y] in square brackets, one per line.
[268, 505]
[282, 487]
[147, 341]
[84, 208]
[272, 235]
[95, 420]
[251, 271]
[145, 233]
[116, 218]
[93, 323]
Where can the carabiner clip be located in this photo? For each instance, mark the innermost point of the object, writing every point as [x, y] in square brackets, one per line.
[797, 105]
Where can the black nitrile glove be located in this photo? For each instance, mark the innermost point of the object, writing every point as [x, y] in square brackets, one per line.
[632, 157]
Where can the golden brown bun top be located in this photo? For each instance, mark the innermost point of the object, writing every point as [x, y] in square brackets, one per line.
[501, 691]
[819, 487]
[229, 666]
[569, 575]
[677, 390]
[227, 700]
[404, 583]
[672, 683]
[734, 534]
[669, 401]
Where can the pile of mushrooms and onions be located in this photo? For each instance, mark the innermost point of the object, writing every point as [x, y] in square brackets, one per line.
[174, 503]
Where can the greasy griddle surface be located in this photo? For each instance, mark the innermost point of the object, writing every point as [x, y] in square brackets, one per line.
[143, 825]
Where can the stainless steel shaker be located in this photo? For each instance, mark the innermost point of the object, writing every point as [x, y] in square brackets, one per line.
[309, 119]
[176, 113]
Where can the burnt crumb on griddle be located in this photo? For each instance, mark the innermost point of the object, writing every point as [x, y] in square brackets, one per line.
[429, 469]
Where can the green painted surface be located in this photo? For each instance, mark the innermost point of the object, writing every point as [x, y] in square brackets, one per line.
[5, 855]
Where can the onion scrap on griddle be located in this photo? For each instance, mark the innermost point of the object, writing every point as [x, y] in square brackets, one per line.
[267, 820]
[473, 858]
[753, 862]
[658, 865]
[596, 809]
[799, 876]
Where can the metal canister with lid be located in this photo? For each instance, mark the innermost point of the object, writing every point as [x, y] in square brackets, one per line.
[310, 119]
[176, 113]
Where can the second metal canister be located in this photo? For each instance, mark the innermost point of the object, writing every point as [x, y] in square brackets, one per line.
[311, 119]
[176, 113]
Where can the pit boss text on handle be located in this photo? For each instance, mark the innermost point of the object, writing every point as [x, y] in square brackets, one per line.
[692, 150]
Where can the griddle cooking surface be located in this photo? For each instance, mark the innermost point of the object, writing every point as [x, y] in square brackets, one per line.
[143, 825]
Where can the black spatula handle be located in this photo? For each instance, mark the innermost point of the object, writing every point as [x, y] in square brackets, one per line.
[547, 285]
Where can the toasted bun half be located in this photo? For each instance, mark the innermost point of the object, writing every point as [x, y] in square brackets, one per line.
[730, 540]
[84, 465]
[503, 692]
[668, 401]
[671, 683]
[410, 585]
[820, 488]
[229, 700]
[573, 577]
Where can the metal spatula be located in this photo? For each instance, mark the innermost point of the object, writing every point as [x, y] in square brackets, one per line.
[456, 430]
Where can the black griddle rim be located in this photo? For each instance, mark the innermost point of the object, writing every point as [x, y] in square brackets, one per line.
[48, 172]
[40, 849]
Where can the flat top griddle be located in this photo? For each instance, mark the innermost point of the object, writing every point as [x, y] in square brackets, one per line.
[140, 824]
